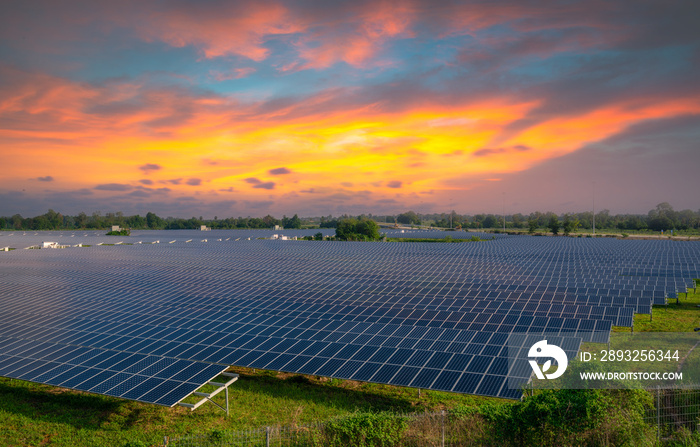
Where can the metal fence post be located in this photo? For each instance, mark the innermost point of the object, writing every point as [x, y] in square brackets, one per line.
[267, 436]
[442, 413]
[658, 413]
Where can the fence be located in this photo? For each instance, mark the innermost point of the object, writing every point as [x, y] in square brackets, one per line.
[675, 416]
[676, 413]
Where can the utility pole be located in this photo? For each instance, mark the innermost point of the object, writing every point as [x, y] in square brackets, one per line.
[593, 208]
[504, 212]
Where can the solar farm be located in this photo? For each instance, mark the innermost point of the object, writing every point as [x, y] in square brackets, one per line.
[154, 322]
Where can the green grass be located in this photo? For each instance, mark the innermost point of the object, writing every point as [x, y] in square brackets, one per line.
[683, 316]
[35, 414]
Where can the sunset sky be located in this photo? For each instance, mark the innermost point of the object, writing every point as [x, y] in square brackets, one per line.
[223, 108]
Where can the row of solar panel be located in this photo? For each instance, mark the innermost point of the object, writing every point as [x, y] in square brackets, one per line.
[153, 379]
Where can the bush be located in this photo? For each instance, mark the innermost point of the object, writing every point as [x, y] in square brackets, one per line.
[357, 230]
[366, 430]
[124, 232]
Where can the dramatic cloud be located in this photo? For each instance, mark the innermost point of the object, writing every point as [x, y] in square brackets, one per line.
[449, 97]
[279, 171]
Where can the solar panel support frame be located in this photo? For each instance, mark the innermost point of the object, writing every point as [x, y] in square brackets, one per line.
[208, 396]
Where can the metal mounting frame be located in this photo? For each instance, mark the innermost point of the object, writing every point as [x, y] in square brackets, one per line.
[208, 396]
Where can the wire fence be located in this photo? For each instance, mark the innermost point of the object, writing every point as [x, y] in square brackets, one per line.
[674, 416]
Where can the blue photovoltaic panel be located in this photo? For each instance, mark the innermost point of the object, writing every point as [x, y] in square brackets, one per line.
[86, 370]
[151, 321]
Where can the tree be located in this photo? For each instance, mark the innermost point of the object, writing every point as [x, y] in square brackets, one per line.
[570, 225]
[293, 222]
[153, 221]
[81, 220]
[17, 222]
[553, 224]
[269, 221]
[531, 225]
[408, 218]
[350, 229]
[490, 221]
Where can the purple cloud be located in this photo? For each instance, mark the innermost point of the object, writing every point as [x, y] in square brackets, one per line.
[266, 185]
[279, 171]
[48, 178]
[113, 187]
[148, 167]
[252, 181]
[146, 181]
[194, 182]
[500, 150]
[394, 184]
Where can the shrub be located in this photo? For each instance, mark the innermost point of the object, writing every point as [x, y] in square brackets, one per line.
[366, 430]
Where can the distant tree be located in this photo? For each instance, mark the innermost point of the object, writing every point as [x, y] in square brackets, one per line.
[291, 222]
[663, 217]
[569, 225]
[531, 225]
[518, 220]
[269, 221]
[408, 218]
[351, 229]
[153, 221]
[328, 223]
[81, 220]
[490, 221]
[553, 224]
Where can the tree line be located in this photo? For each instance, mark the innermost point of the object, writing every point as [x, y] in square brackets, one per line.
[53, 220]
[662, 218]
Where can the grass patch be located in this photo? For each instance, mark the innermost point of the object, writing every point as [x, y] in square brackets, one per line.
[36, 414]
[681, 316]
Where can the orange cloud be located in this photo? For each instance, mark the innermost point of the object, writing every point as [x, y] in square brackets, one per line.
[98, 136]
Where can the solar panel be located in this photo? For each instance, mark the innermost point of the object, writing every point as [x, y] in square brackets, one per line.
[150, 322]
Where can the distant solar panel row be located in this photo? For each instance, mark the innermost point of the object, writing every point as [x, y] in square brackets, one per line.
[415, 314]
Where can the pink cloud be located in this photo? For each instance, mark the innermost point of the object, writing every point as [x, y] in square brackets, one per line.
[236, 73]
[238, 29]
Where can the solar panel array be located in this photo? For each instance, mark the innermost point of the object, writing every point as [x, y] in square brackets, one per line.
[154, 322]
